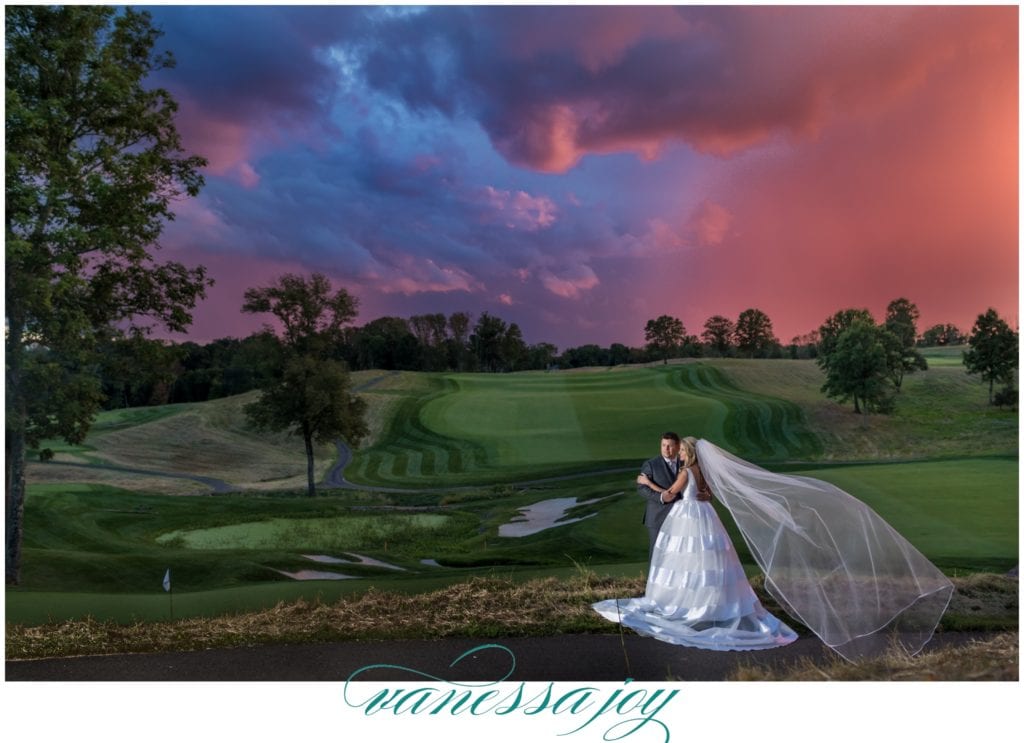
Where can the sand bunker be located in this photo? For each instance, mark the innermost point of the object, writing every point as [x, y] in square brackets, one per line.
[544, 515]
[361, 560]
[315, 575]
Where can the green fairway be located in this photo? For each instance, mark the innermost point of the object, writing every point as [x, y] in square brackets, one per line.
[487, 427]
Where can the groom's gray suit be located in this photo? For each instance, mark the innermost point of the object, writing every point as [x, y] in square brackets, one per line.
[654, 515]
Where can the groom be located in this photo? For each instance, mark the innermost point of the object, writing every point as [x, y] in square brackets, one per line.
[663, 470]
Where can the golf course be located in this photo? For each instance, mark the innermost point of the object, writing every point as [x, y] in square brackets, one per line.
[451, 459]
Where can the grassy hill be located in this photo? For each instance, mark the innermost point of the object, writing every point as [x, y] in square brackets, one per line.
[943, 471]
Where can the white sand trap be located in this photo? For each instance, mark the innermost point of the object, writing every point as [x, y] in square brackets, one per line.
[544, 515]
[315, 575]
[362, 560]
[432, 563]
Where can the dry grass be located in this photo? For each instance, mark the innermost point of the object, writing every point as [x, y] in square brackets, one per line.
[482, 607]
[37, 473]
[213, 440]
[995, 659]
[491, 607]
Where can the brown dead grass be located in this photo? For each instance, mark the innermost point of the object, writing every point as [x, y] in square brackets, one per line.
[48, 473]
[478, 607]
[993, 659]
[492, 607]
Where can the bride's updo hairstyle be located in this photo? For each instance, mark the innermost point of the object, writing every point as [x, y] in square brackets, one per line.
[688, 451]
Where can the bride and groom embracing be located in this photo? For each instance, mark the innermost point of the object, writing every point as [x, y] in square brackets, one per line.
[829, 561]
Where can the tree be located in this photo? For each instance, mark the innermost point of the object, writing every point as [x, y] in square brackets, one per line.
[513, 348]
[753, 334]
[942, 335]
[993, 350]
[312, 396]
[859, 368]
[664, 335]
[313, 399]
[718, 333]
[901, 321]
[137, 370]
[458, 354]
[386, 343]
[431, 332]
[832, 328]
[93, 165]
[487, 341]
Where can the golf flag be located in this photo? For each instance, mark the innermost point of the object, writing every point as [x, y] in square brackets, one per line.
[167, 580]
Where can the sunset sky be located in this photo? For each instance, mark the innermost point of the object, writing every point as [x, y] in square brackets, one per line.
[580, 170]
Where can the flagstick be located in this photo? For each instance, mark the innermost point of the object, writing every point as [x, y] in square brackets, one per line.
[170, 596]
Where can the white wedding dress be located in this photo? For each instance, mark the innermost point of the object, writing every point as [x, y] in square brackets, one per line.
[697, 593]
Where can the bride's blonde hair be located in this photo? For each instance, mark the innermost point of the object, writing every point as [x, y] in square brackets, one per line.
[688, 451]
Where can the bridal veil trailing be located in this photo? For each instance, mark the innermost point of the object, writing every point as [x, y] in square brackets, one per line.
[829, 560]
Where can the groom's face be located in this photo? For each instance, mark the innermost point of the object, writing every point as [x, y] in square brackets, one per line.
[669, 448]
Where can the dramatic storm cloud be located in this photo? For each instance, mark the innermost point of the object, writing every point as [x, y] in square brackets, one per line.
[579, 170]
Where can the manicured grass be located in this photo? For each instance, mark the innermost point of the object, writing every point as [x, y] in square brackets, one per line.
[486, 427]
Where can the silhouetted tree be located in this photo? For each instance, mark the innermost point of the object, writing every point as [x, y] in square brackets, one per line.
[664, 335]
[718, 334]
[754, 335]
[942, 335]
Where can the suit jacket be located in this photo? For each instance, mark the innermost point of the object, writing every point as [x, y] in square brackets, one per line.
[658, 471]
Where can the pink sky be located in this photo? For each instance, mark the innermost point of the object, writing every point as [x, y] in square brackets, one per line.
[581, 170]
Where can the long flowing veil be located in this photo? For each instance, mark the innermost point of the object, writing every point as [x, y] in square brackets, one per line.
[828, 559]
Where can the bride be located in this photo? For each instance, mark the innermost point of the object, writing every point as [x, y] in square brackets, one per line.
[829, 560]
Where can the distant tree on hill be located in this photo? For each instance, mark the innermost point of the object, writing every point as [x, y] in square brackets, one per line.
[664, 336]
[754, 335]
[859, 367]
[993, 351]
[312, 395]
[901, 321]
[832, 328]
[805, 346]
[718, 334]
[942, 335]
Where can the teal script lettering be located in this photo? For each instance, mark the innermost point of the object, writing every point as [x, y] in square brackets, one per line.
[625, 710]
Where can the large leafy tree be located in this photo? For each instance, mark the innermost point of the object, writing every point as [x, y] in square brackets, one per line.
[664, 336]
[901, 321]
[93, 165]
[832, 328]
[718, 333]
[753, 334]
[859, 367]
[993, 350]
[312, 396]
